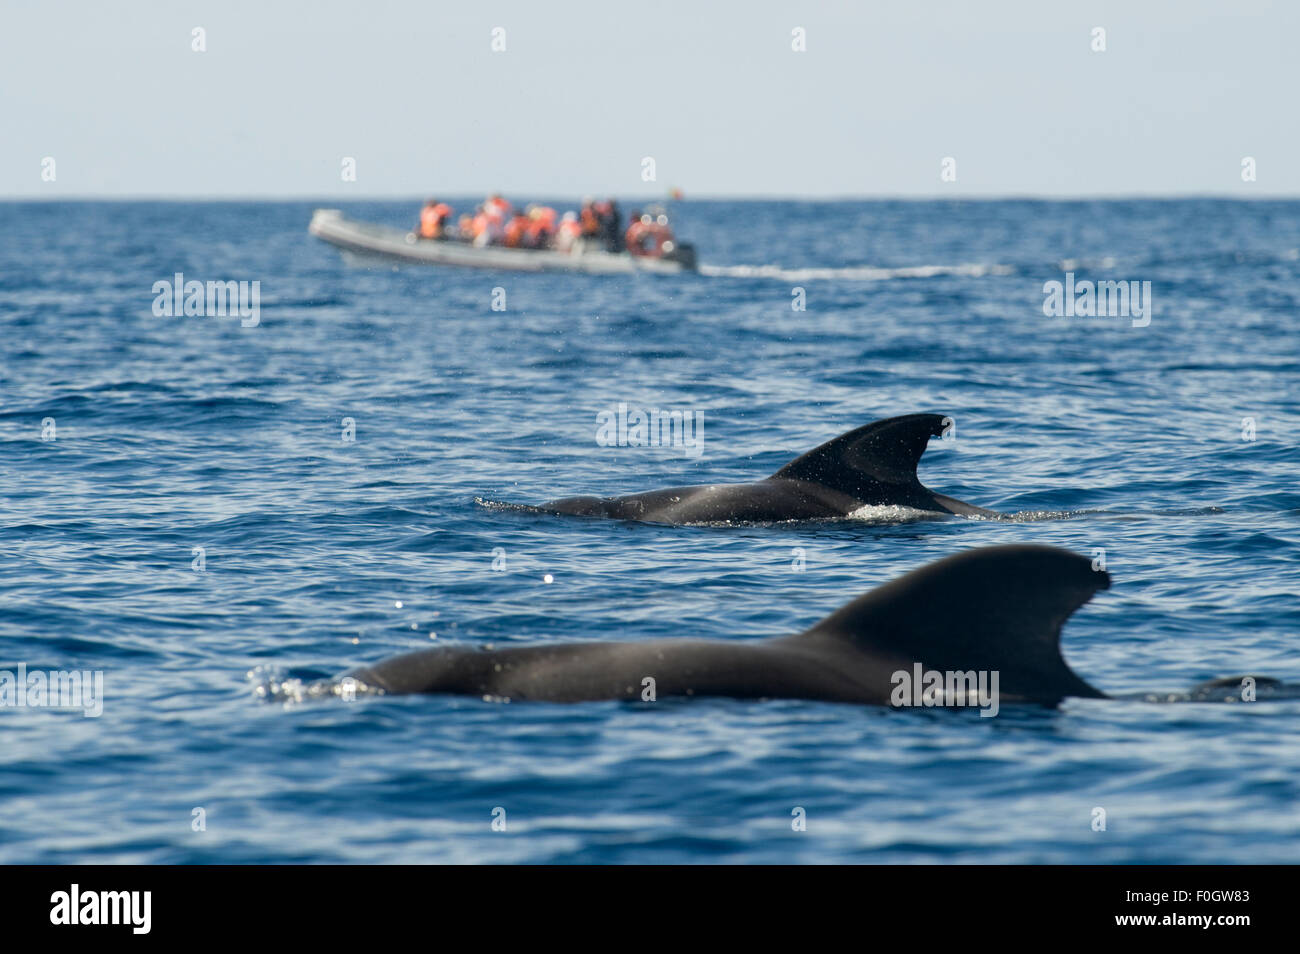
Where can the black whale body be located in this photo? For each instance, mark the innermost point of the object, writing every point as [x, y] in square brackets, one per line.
[995, 609]
[872, 465]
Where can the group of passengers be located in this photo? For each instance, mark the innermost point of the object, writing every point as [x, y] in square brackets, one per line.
[496, 222]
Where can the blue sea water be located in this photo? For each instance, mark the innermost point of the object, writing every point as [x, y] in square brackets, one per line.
[319, 554]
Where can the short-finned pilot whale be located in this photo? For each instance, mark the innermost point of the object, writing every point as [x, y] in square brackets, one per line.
[872, 465]
[996, 610]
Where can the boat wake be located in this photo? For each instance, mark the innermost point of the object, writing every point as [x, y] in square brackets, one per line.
[861, 273]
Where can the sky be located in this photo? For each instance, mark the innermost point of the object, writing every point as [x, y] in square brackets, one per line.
[113, 99]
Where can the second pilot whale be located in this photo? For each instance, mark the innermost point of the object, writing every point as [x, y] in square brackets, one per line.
[873, 465]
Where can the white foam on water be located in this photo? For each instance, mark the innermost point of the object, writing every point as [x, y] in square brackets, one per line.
[889, 513]
[862, 273]
[270, 685]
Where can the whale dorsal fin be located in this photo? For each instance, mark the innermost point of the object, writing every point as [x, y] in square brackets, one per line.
[996, 608]
[882, 452]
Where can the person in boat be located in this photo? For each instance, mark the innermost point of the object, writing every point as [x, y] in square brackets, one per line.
[489, 228]
[515, 229]
[569, 232]
[541, 226]
[465, 228]
[477, 225]
[490, 223]
[611, 232]
[433, 219]
[590, 219]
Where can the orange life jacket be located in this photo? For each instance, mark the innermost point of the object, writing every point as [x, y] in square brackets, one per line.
[515, 230]
[541, 226]
[430, 223]
[431, 219]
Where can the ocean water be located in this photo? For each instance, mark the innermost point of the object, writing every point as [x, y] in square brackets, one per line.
[319, 554]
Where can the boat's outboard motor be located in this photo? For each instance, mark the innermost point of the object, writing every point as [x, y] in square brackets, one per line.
[681, 252]
[651, 236]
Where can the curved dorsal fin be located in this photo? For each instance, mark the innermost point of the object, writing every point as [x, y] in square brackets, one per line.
[995, 608]
[882, 452]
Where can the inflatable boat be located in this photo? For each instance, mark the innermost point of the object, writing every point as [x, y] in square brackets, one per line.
[367, 241]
